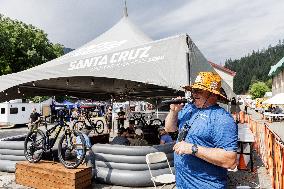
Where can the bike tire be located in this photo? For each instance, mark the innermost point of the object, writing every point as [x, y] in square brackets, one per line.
[33, 144]
[100, 126]
[67, 152]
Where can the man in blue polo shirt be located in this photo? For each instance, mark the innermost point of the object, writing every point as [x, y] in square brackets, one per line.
[207, 144]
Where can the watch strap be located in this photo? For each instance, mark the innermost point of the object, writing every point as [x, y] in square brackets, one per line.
[194, 149]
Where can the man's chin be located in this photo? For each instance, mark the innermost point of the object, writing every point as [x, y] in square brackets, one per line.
[197, 104]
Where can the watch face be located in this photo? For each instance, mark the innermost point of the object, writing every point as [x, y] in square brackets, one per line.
[194, 149]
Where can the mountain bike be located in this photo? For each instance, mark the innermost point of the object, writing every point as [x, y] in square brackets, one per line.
[140, 118]
[71, 145]
[86, 122]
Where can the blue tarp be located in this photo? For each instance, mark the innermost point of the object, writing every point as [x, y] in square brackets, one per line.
[68, 104]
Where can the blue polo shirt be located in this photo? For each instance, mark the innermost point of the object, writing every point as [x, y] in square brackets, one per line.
[211, 127]
[166, 138]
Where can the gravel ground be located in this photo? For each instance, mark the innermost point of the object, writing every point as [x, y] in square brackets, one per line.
[256, 179]
[240, 179]
[7, 181]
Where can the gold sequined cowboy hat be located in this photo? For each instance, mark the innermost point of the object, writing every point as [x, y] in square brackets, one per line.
[208, 81]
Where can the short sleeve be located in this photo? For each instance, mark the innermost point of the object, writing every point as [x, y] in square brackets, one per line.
[225, 132]
[163, 138]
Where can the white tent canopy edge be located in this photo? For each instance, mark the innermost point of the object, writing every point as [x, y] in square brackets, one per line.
[114, 64]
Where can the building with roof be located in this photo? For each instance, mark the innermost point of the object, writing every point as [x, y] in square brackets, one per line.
[277, 74]
[226, 74]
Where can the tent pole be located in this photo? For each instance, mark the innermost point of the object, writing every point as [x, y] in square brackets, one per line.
[125, 13]
[188, 42]
[188, 55]
[157, 110]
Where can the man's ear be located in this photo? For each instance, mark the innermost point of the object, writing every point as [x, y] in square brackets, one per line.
[216, 96]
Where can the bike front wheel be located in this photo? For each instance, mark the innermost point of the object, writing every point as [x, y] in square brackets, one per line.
[34, 146]
[72, 149]
[99, 126]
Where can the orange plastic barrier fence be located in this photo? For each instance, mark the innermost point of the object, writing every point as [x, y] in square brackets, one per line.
[270, 148]
[278, 162]
[242, 117]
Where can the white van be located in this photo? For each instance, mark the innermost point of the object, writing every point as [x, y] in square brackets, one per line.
[13, 113]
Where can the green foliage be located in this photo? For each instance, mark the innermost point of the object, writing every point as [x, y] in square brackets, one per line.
[255, 67]
[258, 90]
[62, 98]
[24, 46]
[38, 99]
[269, 84]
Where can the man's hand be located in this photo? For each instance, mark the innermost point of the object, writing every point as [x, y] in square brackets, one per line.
[176, 107]
[172, 117]
[183, 148]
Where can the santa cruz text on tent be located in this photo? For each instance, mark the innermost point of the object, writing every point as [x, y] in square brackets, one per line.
[127, 55]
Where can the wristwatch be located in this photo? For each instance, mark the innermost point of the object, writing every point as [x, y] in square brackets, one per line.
[194, 149]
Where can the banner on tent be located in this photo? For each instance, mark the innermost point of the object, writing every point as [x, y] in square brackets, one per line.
[121, 58]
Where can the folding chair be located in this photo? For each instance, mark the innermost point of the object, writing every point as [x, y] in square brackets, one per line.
[157, 157]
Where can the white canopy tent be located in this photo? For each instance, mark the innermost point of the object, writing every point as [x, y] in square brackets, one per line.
[121, 62]
[277, 99]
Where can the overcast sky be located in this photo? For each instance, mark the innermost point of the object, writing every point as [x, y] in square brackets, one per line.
[221, 29]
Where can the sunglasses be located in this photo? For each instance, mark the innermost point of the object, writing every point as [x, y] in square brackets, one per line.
[196, 91]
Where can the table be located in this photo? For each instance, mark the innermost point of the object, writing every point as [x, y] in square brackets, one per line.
[272, 116]
[245, 136]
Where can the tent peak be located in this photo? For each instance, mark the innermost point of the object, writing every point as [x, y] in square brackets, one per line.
[125, 13]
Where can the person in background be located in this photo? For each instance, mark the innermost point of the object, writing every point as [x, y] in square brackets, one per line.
[102, 110]
[74, 116]
[208, 136]
[246, 108]
[131, 112]
[164, 137]
[138, 139]
[121, 117]
[34, 119]
[269, 108]
[75, 113]
[121, 137]
[108, 118]
[278, 110]
[131, 129]
[86, 132]
[235, 109]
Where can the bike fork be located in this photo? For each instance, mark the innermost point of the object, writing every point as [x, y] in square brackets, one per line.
[52, 155]
[50, 151]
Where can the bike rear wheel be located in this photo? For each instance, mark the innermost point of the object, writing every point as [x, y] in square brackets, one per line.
[72, 149]
[99, 126]
[34, 146]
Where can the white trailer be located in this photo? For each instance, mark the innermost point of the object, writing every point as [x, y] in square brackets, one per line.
[13, 113]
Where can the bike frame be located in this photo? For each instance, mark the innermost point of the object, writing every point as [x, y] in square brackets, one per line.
[49, 144]
[87, 121]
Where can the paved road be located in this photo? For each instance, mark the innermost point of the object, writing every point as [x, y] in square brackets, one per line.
[276, 126]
